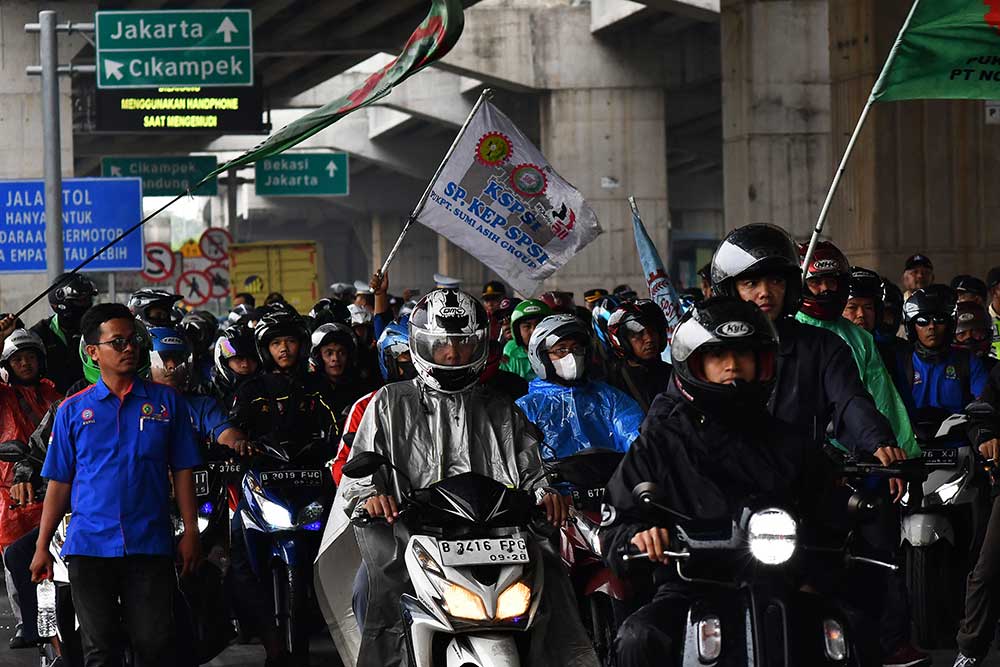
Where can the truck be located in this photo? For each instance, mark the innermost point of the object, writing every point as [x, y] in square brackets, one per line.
[293, 268]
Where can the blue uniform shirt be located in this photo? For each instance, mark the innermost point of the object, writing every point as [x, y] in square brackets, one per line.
[207, 418]
[938, 385]
[116, 455]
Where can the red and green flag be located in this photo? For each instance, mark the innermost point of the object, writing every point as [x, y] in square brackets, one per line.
[432, 39]
[949, 49]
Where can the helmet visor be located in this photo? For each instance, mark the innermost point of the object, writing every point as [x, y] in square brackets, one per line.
[449, 350]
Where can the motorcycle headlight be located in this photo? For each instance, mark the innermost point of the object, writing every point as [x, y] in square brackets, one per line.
[834, 642]
[772, 536]
[514, 601]
[311, 513]
[202, 524]
[709, 638]
[948, 491]
[463, 603]
[274, 514]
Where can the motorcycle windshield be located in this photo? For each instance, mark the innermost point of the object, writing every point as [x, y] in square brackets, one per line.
[469, 500]
[590, 468]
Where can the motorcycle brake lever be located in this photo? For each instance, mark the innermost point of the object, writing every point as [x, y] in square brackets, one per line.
[678, 555]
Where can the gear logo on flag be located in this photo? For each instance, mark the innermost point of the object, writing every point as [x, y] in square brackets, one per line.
[993, 16]
[493, 149]
[528, 180]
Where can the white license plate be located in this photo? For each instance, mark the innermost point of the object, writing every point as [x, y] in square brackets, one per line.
[941, 458]
[201, 483]
[484, 552]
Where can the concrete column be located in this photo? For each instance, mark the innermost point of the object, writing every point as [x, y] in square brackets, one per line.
[21, 119]
[922, 176]
[610, 143]
[775, 108]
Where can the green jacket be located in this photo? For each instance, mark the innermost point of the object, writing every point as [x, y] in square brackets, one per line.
[874, 376]
[516, 361]
[995, 320]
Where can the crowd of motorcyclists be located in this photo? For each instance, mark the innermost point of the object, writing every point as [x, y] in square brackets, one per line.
[774, 378]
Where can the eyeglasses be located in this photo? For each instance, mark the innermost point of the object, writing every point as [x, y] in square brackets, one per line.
[923, 320]
[121, 344]
[563, 350]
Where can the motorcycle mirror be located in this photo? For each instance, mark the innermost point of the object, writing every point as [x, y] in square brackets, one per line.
[364, 464]
[12, 451]
[862, 505]
[648, 494]
[980, 409]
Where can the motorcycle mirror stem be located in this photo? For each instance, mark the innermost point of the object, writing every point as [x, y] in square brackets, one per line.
[647, 494]
[366, 464]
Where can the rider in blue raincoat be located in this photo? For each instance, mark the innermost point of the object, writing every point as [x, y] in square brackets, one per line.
[573, 412]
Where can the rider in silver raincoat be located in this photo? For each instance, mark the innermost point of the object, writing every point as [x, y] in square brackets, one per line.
[439, 425]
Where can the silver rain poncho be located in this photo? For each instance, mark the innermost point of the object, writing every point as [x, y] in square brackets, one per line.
[432, 435]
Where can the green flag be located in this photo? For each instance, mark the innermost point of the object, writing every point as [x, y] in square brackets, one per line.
[950, 49]
[429, 42]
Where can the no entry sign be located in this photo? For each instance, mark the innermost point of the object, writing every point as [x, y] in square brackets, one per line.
[160, 262]
[195, 287]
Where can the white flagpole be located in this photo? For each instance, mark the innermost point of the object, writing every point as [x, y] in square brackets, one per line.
[821, 221]
[486, 94]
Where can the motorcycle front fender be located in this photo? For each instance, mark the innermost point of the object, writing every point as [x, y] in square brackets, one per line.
[604, 581]
[287, 550]
[923, 530]
[483, 650]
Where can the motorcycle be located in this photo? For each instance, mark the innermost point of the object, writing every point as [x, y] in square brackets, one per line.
[746, 604]
[601, 594]
[286, 502]
[942, 529]
[476, 578]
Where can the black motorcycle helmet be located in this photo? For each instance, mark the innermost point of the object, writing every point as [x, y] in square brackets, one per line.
[758, 250]
[975, 319]
[725, 323]
[932, 302]
[892, 303]
[333, 332]
[147, 298]
[330, 311]
[866, 284]
[235, 340]
[201, 329]
[71, 299]
[827, 261]
[280, 322]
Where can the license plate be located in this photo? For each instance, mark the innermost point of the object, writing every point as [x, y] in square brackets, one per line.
[941, 458]
[201, 482]
[292, 478]
[226, 467]
[484, 552]
[588, 498]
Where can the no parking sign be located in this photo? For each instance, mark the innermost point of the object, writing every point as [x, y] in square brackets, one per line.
[159, 263]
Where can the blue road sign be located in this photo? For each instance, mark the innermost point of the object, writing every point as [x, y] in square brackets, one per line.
[95, 211]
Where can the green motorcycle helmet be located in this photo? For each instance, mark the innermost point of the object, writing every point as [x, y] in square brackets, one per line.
[92, 372]
[527, 310]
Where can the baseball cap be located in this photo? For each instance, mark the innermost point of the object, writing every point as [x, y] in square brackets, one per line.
[918, 260]
[967, 283]
[494, 288]
[993, 277]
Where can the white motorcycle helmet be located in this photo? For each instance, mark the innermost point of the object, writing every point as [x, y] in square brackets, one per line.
[570, 369]
[18, 341]
[449, 332]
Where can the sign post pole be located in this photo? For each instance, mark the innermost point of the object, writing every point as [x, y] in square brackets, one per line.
[49, 59]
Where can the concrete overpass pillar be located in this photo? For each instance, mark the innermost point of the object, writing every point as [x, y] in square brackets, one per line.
[610, 143]
[775, 108]
[923, 172]
[21, 119]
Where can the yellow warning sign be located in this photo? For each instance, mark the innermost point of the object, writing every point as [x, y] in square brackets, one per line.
[190, 249]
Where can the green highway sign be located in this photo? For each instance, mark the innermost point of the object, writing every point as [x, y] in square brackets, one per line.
[174, 48]
[164, 176]
[302, 174]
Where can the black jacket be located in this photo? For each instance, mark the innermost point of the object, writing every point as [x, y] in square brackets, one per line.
[281, 408]
[819, 385]
[707, 468]
[642, 383]
[341, 395]
[62, 358]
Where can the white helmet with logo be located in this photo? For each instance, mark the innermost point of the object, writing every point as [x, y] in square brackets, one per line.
[449, 333]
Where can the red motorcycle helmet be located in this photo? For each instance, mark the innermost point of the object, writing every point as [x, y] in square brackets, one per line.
[827, 261]
[634, 316]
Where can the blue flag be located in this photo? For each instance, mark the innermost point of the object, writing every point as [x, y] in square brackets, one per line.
[661, 289]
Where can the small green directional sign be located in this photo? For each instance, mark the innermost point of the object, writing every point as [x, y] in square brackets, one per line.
[302, 174]
[165, 176]
[146, 49]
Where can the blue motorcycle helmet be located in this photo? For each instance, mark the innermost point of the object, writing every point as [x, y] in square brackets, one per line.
[392, 344]
[170, 359]
[599, 317]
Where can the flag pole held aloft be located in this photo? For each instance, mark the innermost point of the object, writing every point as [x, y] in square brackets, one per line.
[485, 95]
[821, 220]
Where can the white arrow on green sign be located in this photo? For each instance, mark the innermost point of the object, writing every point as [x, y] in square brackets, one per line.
[145, 49]
[165, 176]
[303, 174]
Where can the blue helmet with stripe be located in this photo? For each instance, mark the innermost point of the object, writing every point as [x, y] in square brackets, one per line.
[394, 341]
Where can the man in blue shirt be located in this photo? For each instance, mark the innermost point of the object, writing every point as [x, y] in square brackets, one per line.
[112, 450]
[941, 376]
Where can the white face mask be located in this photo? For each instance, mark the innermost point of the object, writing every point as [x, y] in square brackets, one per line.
[571, 367]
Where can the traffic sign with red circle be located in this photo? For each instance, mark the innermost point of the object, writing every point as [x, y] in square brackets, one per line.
[195, 287]
[214, 243]
[218, 276]
[159, 263]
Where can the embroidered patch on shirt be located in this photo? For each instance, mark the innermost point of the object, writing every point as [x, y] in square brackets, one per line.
[950, 373]
[87, 416]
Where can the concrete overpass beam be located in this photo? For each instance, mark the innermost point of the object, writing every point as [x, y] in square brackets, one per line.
[775, 107]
